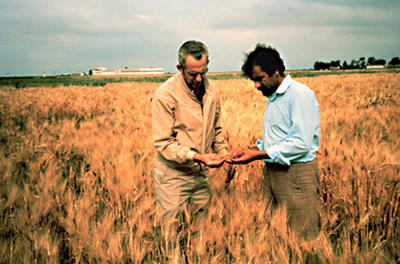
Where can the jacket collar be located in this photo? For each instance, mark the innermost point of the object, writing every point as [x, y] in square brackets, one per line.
[190, 91]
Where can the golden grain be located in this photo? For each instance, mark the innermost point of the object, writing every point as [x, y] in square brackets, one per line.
[76, 178]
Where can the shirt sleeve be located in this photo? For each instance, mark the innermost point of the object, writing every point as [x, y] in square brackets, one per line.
[299, 140]
[163, 134]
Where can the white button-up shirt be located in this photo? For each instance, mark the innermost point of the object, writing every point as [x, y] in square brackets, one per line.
[290, 124]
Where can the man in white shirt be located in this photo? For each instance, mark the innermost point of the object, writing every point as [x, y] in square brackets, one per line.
[290, 138]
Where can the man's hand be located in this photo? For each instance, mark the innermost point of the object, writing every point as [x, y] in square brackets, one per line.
[245, 156]
[210, 160]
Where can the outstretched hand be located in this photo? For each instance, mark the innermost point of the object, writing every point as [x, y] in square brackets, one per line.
[243, 156]
[211, 160]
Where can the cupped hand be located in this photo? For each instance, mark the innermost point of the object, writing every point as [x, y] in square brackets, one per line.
[243, 156]
[211, 160]
[234, 155]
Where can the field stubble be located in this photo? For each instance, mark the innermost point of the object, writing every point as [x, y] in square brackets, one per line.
[76, 177]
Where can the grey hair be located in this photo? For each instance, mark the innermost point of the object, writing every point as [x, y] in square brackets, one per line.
[194, 48]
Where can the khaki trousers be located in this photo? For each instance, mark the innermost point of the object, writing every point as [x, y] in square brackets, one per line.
[177, 188]
[297, 188]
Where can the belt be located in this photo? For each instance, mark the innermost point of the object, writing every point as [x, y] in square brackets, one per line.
[196, 170]
[278, 166]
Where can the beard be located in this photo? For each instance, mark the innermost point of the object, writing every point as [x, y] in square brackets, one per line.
[196, 85]
[267, 91]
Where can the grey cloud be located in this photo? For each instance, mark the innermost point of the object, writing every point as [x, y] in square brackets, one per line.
[306, 13]
[46, 35]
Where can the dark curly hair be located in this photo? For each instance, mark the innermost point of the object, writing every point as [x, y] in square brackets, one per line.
[266, 57]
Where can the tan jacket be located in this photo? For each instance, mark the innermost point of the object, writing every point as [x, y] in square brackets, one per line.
[181, 127]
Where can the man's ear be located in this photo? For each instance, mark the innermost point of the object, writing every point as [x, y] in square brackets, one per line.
[179, 67]
[277, 74]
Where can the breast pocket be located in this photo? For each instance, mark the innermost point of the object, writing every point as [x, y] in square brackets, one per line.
[189, 117]
[279, 114]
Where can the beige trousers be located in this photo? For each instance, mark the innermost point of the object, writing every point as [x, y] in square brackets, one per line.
[181, 187]
[297, 188]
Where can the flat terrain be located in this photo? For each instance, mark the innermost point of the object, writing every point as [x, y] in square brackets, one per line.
[76, 181]
[86, 80]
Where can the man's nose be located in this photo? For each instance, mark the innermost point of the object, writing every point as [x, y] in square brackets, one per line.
[199, 78]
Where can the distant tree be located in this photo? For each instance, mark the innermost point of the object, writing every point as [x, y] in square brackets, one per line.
[316, 65]
[335, 63]
[320, 65]
[354, 64]
[361, 62]
[371, 61]
[394, 61]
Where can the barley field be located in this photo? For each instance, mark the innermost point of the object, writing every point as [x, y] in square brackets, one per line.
[76, 178]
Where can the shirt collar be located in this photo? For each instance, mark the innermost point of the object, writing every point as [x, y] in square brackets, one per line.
[282, 87]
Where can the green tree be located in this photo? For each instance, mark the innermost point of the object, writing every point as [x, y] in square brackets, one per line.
[394, 61]
[371, 61]
[354, 64]
[362, 63]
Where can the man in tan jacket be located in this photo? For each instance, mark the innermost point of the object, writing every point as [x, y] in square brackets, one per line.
[186, 130]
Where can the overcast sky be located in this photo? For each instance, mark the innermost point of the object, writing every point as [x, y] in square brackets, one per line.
[74, 36]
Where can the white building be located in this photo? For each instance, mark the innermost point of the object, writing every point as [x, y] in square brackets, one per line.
[375, 66]
[140, 71]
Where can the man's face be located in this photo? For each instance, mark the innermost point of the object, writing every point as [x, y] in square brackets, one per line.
[263, 82]
[194, 71]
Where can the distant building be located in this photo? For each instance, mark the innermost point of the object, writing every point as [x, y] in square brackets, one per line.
[375, 66]
[126, 71]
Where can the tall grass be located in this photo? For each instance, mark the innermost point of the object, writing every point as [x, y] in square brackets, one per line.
[76, 178]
